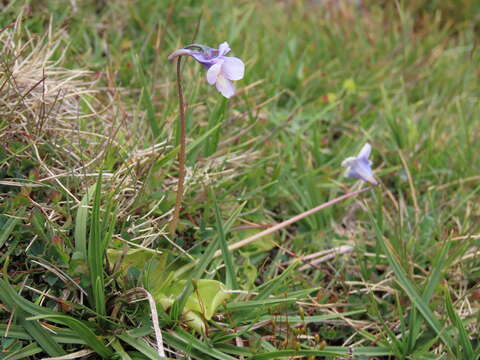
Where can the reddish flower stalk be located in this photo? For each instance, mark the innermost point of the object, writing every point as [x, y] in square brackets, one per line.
[221, 71]
[181, 154]
[290, 221]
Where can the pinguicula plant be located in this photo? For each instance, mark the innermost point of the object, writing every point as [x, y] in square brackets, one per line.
[360, 167]
[221, 71]
[357, 167]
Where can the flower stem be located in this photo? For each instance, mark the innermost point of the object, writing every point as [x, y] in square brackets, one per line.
[296, 218]
[181, 154]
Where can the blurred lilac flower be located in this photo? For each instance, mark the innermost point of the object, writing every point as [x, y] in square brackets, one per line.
[221, 69]
[360, 167]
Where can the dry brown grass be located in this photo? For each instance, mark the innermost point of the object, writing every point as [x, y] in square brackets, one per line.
[67, 121]
[42, 102]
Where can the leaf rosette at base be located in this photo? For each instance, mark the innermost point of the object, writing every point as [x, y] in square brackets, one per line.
[200, 306]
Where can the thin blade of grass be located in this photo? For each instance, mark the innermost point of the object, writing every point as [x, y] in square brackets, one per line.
[80, 234]
[82, 330]
[231, 279]
[99, 294]
[120, 351]
[234, 350]
[95, 252]
[41, 336]
[409, 288]
[190, 147]
[432, 283]
[466, 344]
[140, 345]
[198, 345]
[23, 353]
[61, 336]
[255, 304]
[231, 220]
[289, 353]
[309, 319]
[368, 351]
[146, 98]
[10, 298]
[214, 122]
[435, 276]
[265, 290]
[8, 227]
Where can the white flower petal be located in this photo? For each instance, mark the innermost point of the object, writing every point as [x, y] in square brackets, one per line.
[233, 68]
[348, 161]
[223, 49]
[214, 72]
[225, 86]
[365, 152]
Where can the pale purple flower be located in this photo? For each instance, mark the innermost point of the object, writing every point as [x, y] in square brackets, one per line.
[360, 167]
[222, 70]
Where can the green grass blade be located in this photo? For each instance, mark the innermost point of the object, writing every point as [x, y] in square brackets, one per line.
[39, 221]
[198, 345]
[140, 345]
[120, 351]
[231, 279]
[333, 351]
[146, 98]
[231, 220]
[466, 344]
[96, 253]
[108, 223]
[255, 304]
[435, 276]
[62, 336]
[23, 353]
[234, 350]
[369, 351]
[36, 334]
[82, 330]
[190, 147]
[409, 288]
[9, 297]
[214, 122]
[265, 290]
[42, 337]
[180, 344]
[8, 228]
[80, 234]
[462, 202]
[99, 292]
[289, 353]
[15, 331]
[432, 284]
[308, 319]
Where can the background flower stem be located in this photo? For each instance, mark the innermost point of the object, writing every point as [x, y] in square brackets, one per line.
[290, 221]
[181, 154]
